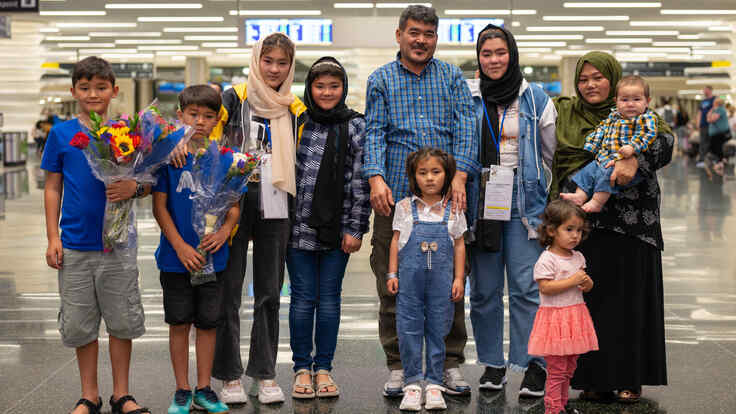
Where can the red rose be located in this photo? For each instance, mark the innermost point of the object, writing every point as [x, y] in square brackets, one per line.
[225, 150]
[80, 140]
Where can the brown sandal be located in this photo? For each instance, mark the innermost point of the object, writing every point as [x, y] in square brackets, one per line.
[629, 396]
[307, 389]
[323, 387]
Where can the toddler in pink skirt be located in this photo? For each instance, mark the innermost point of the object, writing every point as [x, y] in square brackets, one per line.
[563, 328]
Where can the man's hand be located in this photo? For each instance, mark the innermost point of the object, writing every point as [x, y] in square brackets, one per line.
[120, 190]
[189, 257]
[179, 156]
[55, 254]
[213, 241]
[624, 171]
[457, 195]
[350, 244]
[381, 198]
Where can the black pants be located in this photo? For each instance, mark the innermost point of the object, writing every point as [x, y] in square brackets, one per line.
[270, 239]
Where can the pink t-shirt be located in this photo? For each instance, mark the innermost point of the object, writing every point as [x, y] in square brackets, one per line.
[554, 267]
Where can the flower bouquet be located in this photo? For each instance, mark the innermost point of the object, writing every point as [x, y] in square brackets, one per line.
[218, 179]
[130, 148]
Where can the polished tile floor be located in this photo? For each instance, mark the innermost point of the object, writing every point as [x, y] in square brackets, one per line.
[39, 375]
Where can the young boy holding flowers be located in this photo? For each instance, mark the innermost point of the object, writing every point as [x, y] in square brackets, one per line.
[177, 257]
[93, 284]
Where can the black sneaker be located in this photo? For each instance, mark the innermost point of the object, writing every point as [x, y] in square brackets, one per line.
[493, 378]
[533, 384]
[570, 410]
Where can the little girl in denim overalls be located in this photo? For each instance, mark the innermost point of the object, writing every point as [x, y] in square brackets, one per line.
[428, 251]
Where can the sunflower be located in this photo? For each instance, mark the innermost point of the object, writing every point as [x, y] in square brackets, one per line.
[122, 145]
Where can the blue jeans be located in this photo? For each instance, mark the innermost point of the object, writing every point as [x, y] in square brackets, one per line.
[316, 285]
[595, 178]
[516, 258]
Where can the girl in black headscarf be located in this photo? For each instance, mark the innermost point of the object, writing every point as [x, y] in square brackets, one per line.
[331, 216]
[516, 124]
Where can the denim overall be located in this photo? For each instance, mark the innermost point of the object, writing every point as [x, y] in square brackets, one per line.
[423, 308]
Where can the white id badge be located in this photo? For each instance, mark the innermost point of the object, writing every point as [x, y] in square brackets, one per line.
[499, 190]
[273, 200]
[255, 130]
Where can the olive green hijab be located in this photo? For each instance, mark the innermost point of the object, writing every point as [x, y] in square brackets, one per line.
[576, 118]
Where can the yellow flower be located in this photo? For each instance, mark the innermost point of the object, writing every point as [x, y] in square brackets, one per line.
[122, 144]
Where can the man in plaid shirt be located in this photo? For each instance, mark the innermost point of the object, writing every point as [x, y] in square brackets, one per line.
[413, 102]
[627, 132]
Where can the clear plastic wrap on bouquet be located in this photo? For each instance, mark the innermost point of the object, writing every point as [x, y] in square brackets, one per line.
[218, 179]
[131, 148]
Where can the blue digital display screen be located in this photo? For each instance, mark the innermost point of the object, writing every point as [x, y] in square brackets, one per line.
[301, 31]
[462, 31]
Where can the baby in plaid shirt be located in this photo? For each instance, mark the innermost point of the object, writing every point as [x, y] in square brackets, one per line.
[627, 132]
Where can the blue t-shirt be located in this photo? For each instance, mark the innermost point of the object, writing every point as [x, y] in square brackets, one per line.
[705, 106]
[83, 203]
[179, 206]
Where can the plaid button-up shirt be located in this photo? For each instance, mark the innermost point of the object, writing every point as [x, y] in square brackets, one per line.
[616, 131]
[405, 112]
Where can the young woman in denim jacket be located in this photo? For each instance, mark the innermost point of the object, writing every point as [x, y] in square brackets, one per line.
[516, 125]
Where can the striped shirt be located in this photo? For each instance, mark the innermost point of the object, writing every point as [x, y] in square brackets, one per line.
[616, 131]
[356, 200]
[405, 112]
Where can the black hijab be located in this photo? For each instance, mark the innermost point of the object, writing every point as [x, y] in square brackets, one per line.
[327, 203]
[500, 92]
[340, 113]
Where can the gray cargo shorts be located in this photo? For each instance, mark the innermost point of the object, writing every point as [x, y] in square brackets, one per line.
[95, 285]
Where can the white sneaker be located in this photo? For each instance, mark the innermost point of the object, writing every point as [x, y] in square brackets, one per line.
[454, 383]
[268, 391]
[433, 398]
[233, 393]
[412, 400]
[395, 384]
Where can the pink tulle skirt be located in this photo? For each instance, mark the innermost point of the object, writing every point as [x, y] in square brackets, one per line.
[566, 330]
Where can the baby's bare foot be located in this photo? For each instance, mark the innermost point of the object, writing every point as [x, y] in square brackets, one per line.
[592, 206]
[577, 198]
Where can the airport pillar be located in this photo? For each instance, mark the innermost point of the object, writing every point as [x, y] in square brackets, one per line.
[567, 75]
[196, 71]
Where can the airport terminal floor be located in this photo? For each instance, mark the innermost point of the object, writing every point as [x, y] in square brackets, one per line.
[39, 375]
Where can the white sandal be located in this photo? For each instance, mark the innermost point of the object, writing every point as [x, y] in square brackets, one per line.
[326, 384]
[308, 388]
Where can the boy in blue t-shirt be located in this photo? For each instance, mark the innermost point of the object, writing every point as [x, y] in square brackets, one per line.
[92, 284]
[177, 256]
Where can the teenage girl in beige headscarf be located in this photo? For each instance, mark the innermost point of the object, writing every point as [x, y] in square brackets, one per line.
[262, 113]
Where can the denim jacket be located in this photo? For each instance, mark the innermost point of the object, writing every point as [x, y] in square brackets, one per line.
[537, 143]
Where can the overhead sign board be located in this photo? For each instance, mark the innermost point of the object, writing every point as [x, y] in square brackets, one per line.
[301, 31]
[462, 31]
[19, 6]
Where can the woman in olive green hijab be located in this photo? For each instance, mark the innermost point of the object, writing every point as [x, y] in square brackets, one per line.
[624, 249]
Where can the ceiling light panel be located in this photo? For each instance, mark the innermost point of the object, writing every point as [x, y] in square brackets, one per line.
[659, 23]
[661, 49]
[353, 5]
[497, 12]
[541, 44]
[125, 34]
[276, 12]
[215, 45]
[642, 33]
[98, 51]
[148, 41]
[619, 40]
[153, 6]
[565, 28]
[229, 29]
[585, 18]
[399, 5]
[86, 25]
[688, 44]
[183, 53]
[49, 30]
[172, 47]
[65, 38]
[78, 45]
[233, 50]
[694, 11]
[74, 13]
[181, 19]
[199, 38]
[549, 37]
[611, 4]
[690, 36]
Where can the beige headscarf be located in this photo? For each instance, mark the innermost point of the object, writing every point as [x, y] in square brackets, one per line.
[274, 106]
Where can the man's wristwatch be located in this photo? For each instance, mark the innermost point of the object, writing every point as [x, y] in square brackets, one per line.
[140, 190]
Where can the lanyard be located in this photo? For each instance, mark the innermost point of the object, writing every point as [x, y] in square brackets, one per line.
[268, 131]
[496, 140]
